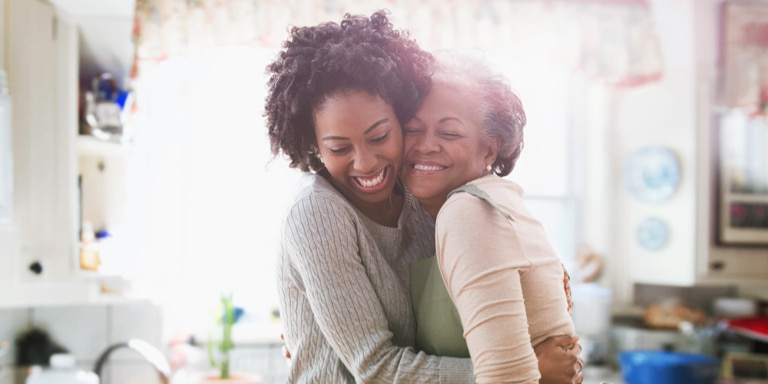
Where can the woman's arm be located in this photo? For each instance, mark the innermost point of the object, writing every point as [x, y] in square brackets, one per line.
[322, 241]
[485, 284]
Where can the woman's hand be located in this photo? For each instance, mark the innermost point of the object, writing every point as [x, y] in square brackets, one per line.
[559, 361]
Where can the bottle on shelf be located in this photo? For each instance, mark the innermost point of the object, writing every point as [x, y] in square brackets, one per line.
[89, 253]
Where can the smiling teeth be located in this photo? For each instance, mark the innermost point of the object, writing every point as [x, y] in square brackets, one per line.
[424, 167]
[370, 183]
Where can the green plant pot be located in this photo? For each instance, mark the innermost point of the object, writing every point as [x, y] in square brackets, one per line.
[237, 378]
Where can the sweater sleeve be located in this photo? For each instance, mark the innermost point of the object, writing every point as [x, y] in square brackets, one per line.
[321, 239]
[482, 264]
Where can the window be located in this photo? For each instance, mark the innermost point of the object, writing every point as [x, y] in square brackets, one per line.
[548, 167]
[206, 200]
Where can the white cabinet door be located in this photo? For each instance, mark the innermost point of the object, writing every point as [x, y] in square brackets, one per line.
[43, 76]
[6, 161]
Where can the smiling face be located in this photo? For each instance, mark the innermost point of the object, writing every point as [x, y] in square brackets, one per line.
[361, 143]
[445, 147]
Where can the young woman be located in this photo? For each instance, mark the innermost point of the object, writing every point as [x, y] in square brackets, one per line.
[338, 95]
[494, 257]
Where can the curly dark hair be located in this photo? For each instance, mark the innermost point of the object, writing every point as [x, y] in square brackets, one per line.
[360, 53]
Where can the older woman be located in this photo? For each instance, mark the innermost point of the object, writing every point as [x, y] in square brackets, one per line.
[494, 257]
[338, 95]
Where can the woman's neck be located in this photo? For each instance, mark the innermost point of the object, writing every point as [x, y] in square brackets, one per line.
[433, 205]
[386, 213]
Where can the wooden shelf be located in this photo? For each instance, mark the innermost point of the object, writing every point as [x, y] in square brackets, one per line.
[754, 198]
[92, 146]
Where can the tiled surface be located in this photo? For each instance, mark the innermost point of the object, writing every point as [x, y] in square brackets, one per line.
[12, 321]
[88, 330]
[135, 321]
[265, 360]
[127, 372]
[11, 376]
[80, 329]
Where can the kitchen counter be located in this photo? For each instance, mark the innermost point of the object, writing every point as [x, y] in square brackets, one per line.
[599, 375]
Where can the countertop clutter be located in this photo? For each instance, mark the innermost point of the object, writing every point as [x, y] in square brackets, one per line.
[684, 335]
[600, 375]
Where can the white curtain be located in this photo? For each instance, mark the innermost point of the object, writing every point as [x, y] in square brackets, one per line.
[205, 201]
[612, 40]
[205, 198]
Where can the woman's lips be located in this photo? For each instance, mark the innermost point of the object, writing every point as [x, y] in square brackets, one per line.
[373, 183]
[426, 168]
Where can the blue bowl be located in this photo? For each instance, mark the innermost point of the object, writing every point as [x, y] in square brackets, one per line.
[659, 367]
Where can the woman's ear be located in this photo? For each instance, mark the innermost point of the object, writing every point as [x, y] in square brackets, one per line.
[318, 154]
[493, 150]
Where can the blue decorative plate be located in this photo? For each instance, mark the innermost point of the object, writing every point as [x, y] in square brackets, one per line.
[652, 174]
[652, 234]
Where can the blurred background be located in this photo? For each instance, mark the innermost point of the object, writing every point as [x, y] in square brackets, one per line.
[137, 186]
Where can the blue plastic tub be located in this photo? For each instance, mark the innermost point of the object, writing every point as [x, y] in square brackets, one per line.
[659, 367]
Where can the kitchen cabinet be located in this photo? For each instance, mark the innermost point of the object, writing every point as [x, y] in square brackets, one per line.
[678, 113]
[716, 262]
[43, 237]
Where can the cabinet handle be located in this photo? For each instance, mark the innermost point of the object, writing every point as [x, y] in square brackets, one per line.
[36, 268]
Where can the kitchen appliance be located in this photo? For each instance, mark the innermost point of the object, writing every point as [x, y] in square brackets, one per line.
[63, 371]
[592, 318]
[151, 354]
[745, 366]
[660, 367]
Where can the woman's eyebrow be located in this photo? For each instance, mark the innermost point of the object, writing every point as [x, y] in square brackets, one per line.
[444, 119]
[334, 138]
[376, 124]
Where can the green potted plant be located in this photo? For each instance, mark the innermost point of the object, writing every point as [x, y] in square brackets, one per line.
[219, 348]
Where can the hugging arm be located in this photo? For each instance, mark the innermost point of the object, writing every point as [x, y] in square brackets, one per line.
[485, 269]
[559, 361]
[321, 238]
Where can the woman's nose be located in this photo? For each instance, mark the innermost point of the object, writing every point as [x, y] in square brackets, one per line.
[365, 161]
[426, 144]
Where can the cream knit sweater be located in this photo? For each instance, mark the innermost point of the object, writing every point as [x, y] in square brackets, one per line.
[344, 293]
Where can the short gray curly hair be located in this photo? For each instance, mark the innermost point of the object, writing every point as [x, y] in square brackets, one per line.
[501, 111]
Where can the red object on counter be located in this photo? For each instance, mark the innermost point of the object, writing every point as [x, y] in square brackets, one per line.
[752, 327]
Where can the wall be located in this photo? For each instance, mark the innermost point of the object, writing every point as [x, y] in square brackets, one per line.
[660, 113]
[86, 331]
[106, 35]
[105, 45]
[4, 34]
[676, 112]
[7, 232]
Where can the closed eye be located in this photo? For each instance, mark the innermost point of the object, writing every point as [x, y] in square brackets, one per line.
[381, 138]
[451, 135]
[338, 150]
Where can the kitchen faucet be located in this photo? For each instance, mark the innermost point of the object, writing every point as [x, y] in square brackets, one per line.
[146, 350]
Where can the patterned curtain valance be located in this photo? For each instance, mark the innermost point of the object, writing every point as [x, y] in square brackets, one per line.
[613, 40]
[744, 55]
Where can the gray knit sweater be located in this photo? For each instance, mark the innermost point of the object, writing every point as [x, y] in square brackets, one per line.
[344, 293]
